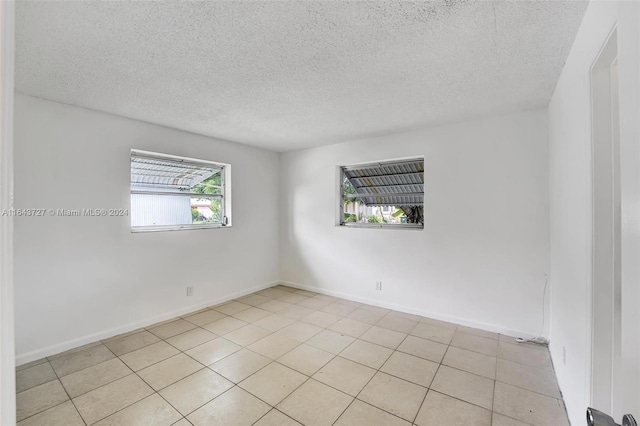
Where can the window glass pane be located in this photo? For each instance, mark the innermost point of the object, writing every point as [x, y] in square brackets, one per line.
[167, 210]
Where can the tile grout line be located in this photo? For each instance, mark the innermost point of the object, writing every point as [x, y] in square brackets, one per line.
[340, 315]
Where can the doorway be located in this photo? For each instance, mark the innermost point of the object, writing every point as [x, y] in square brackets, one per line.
[606, 274]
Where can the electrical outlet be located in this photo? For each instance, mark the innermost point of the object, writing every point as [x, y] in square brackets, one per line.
[190, 290]
[379, 285]
[564, 355]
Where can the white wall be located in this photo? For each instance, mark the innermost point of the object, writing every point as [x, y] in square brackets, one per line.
[570, 207]
[83, 278]
[483, 254]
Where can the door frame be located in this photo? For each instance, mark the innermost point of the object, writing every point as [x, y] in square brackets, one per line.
[7, 342]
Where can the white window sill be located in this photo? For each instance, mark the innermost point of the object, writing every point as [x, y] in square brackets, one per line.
[138, 229]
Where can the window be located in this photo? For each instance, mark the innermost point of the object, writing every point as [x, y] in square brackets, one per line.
[171, 193]
[384, 194]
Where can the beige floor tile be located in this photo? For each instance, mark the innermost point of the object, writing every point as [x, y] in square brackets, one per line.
[271, 293]
[191, 339]
[276, 418]
[142, 358]
[273, 383]
[320, 319]
[225, 325]
[305, 359]
[76, 361]
[315, 303]
[34, 376]
[330, 341]
[274, 345]
[438, 323]
[366, 353]
[350, 327]
[131, 343]
[31, 364]
[74, 350]
[347, 376]
[500, 420]
[122, 335]
[296, 312]
[354, 304]
[240, 365]
[472, 362]
[405, 315]
[254, 300]
[366, 316]
[383, 337]
[411, 368]
[477, 332]
[39, 398]
[195, 390]
[326, 297]
[247, 335]
[274, 305]
[439, 409]
[182, 422]
[338, 309]
[427, 349]
[363, 414]
[106, 400]
[394, 395]
[212, 351]
[537, 380]
[151, 411]
[398, 324]
[274, 322]
[526, 353]
[306, 293]
[465, 386]
[474, 343]
[432, 332]
[206, 317]
[299, 331]
[293, 298]
[169, 371]
[172, 328]
[529, 407]
[64, 414]
[232, 308]
[315, 404]
[377, 309]
[93, 377]
[235, 407]
[251, 314]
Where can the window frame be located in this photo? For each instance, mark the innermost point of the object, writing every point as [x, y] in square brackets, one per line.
[225, 195]
[340, 176]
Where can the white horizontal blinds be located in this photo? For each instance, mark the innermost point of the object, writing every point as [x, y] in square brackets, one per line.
[387, 184]
[165, 174]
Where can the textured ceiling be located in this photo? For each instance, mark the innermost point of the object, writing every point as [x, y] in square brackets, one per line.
[291, 74]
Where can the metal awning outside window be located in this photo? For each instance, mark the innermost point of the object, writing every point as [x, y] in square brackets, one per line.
[168, 174]
[388, 184]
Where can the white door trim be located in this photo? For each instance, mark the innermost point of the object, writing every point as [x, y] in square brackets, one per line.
[7, 345]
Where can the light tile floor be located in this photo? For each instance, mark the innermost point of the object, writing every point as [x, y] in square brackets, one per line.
[284, 356]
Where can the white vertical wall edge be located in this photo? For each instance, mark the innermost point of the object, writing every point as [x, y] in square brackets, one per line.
[7, 351]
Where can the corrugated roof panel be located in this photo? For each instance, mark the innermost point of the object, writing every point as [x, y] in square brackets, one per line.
[168, 174]
[389, 182]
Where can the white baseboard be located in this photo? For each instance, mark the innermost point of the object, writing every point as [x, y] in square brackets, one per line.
[74, 343]
[410, 310]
